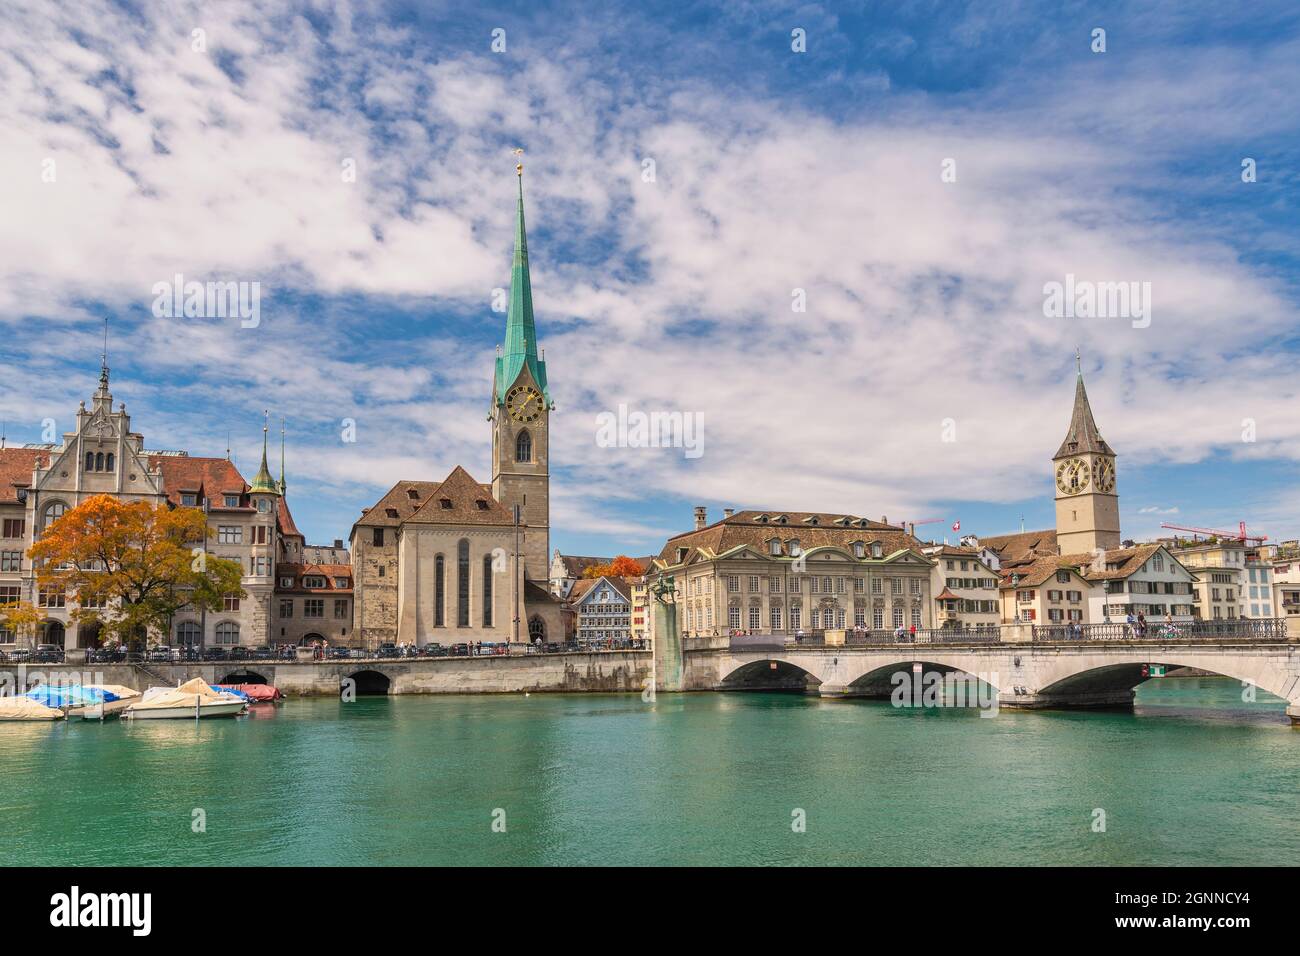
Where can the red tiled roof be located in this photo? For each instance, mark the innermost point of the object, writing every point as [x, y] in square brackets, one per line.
[298, 571]
[16, 466]
[209, 477]
[1010, 547]
[462, 500]
[284, 517]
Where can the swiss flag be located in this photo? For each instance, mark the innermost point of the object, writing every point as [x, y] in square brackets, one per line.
[956, 525]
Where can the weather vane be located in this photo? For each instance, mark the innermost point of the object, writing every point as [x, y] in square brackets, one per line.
[519, 163]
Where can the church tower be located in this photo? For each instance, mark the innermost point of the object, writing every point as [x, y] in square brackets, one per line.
[520, 416]
[1087, 504]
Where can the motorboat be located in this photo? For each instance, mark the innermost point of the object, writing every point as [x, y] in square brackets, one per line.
[195, 698]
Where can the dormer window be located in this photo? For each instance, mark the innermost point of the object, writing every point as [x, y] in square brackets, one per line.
[782, 520]
[761, 519]
[189, 501]
[793, 547]
[681, 555]
[859, 549]
[481, 503]
[877, 550]
[231, 501]
[445, 504]
[812, 519]
[391, 512]
[774, 546]
[412, 494]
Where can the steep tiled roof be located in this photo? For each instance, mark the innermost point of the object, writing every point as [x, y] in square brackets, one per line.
[284, 518]
[1129, 560]
[1083, 435]
[618, 584]
[575, 564]
[398, 504]
[462, 500]
[1041, 569]
[1011, 547]
[742, 528]
[208, 477]
[16, 466]
[298, 571]
[535, 594]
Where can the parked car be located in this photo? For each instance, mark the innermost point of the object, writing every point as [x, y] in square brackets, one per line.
[460, 650]
[239, 653]
[214, 653]
[48, 653]
[263, 654]
[339, 653]
[160, 655]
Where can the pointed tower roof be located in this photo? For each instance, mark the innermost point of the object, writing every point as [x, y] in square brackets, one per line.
[263, 483]
[284, 484]
[1083, 436]
[521, 333]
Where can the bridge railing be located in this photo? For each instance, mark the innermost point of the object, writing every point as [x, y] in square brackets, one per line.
[1263, 630]
[1251, 630]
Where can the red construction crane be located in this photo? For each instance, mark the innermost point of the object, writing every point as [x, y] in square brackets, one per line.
[1238, 535]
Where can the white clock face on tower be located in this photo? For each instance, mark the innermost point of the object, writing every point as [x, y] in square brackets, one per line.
[524, 404]
[1072, 476]
[1103, 475]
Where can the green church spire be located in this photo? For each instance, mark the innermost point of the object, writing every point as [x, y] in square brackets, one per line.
[521, 332]
[263, 483]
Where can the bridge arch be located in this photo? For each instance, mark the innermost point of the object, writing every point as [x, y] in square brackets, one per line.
[371, 683]
[879, 681]
[1127, 675]
[243, 677]
[770, 674]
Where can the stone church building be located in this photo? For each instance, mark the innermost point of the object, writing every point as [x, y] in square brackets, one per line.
[458, 561]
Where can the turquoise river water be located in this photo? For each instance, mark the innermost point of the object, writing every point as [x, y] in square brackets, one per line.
[1193, 776]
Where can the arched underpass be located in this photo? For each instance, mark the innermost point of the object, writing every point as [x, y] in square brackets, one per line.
[770, 675]
[960, 688]
[243, 677]
[370, 683]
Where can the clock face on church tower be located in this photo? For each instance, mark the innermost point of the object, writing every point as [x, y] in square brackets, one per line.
[1072, 476]
[1103, 475]
[524, 404]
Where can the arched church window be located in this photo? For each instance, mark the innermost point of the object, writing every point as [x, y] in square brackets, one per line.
[90, 461]
[108, 462]
[462, 583]
[439, 591]
[524, 447]
[487, 590]
[536, 629]
[99, 461]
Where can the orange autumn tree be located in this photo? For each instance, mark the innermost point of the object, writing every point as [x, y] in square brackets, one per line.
[621, 567]
[132, 566]
[23, 618]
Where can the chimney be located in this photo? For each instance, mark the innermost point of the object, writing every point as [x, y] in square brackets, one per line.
[701, 517]
[884, 519]
[338, 544]
[728, 512]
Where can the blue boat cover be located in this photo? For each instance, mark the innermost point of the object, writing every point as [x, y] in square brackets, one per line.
[69, 695]
[228, 689]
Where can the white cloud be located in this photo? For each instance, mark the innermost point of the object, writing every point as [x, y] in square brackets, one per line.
[924, 297]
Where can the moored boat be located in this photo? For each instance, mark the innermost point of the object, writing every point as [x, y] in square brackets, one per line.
[24, 708]
[192, 699]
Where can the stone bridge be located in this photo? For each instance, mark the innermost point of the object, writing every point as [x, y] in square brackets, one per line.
[1065, 674]
[578, 671]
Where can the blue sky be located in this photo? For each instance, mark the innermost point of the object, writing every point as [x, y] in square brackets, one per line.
[221, 158]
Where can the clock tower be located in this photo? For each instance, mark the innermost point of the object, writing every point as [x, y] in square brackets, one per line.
[520, 415]
[1083, 469]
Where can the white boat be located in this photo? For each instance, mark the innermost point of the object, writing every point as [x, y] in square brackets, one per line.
[126, 696]
[192, 699]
